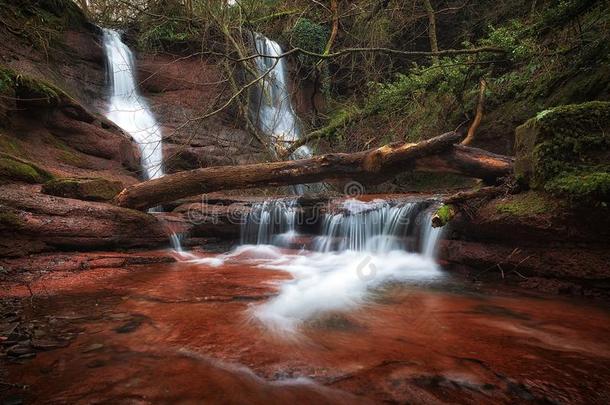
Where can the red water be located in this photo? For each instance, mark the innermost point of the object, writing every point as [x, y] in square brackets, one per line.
[179, 333]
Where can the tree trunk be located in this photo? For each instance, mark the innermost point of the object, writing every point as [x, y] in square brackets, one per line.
[372, 166]
[431, 28]
[478, 114]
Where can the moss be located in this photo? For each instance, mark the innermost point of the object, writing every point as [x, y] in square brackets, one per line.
[91, 189]
[42, 22]
[592, 187]
[566, 151]
[10, 219]
[15, 169]
[28, 88]
[10, 146]
[527, 204]
[443, 215]
[309, 36]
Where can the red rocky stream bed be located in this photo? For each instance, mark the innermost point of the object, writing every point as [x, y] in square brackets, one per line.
[181, 333]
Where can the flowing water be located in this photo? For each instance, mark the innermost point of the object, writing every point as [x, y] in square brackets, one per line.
[183, 333]
[358, 248]
[273, 107]
[130, 111]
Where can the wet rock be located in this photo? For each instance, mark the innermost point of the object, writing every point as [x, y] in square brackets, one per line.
[129, 327]
[92, 347]
[42, 344]
[19, 350]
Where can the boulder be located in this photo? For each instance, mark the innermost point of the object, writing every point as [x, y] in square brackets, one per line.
[566, 151]
[93, 189]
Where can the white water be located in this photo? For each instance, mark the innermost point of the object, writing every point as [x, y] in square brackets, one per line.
[273, 109]
[359, 249]
[130, 111]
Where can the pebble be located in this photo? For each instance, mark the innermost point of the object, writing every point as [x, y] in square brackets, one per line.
[92, 347]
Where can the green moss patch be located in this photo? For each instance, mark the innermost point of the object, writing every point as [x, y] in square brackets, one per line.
[531, 203]
[29, 89]
[443, 215]
[93, 189]
[16, 169]
[9, 220]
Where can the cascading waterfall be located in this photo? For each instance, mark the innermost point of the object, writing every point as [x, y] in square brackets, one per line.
[360, 247]
[130, 111]
[270, 223]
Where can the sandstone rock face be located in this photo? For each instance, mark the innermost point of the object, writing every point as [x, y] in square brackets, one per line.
[532, 234]
[33, 222]
[180, 92]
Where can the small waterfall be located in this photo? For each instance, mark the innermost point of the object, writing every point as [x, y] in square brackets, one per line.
[270, 223]
[375, 227]
[359, 248]
[273, 108]
[130, 111]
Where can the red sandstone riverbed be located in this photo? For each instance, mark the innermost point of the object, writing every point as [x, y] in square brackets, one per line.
[181, 333]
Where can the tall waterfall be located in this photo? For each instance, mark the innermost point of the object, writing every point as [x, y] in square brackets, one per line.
[273, 109]
[130, 111]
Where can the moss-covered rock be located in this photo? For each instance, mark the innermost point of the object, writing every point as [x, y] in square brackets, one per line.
[28, 90]
[15, 169]
[92, 189]
[443, 215]
[531, 203]
[566, 151]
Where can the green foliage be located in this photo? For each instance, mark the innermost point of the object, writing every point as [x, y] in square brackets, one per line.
[394, 97]
[444, 214]
[311, 37]
[564, 11]
[166, 35]
[514, 37]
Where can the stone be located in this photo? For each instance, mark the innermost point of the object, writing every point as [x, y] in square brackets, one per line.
[89, 189]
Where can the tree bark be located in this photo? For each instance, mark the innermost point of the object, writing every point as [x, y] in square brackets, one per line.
[478, 114]
[431, 28]
[371, 166]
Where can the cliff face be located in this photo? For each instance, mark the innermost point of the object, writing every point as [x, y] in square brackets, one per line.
[53, 84]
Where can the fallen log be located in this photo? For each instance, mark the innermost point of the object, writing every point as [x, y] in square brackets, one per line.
[371, 166]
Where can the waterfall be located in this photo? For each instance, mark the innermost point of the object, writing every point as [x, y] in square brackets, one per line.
[375, 227]
[273, 109]
[270, 223]
[360, 246]
[130, 111]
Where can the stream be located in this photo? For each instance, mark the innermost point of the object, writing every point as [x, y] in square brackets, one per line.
[185, 333]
